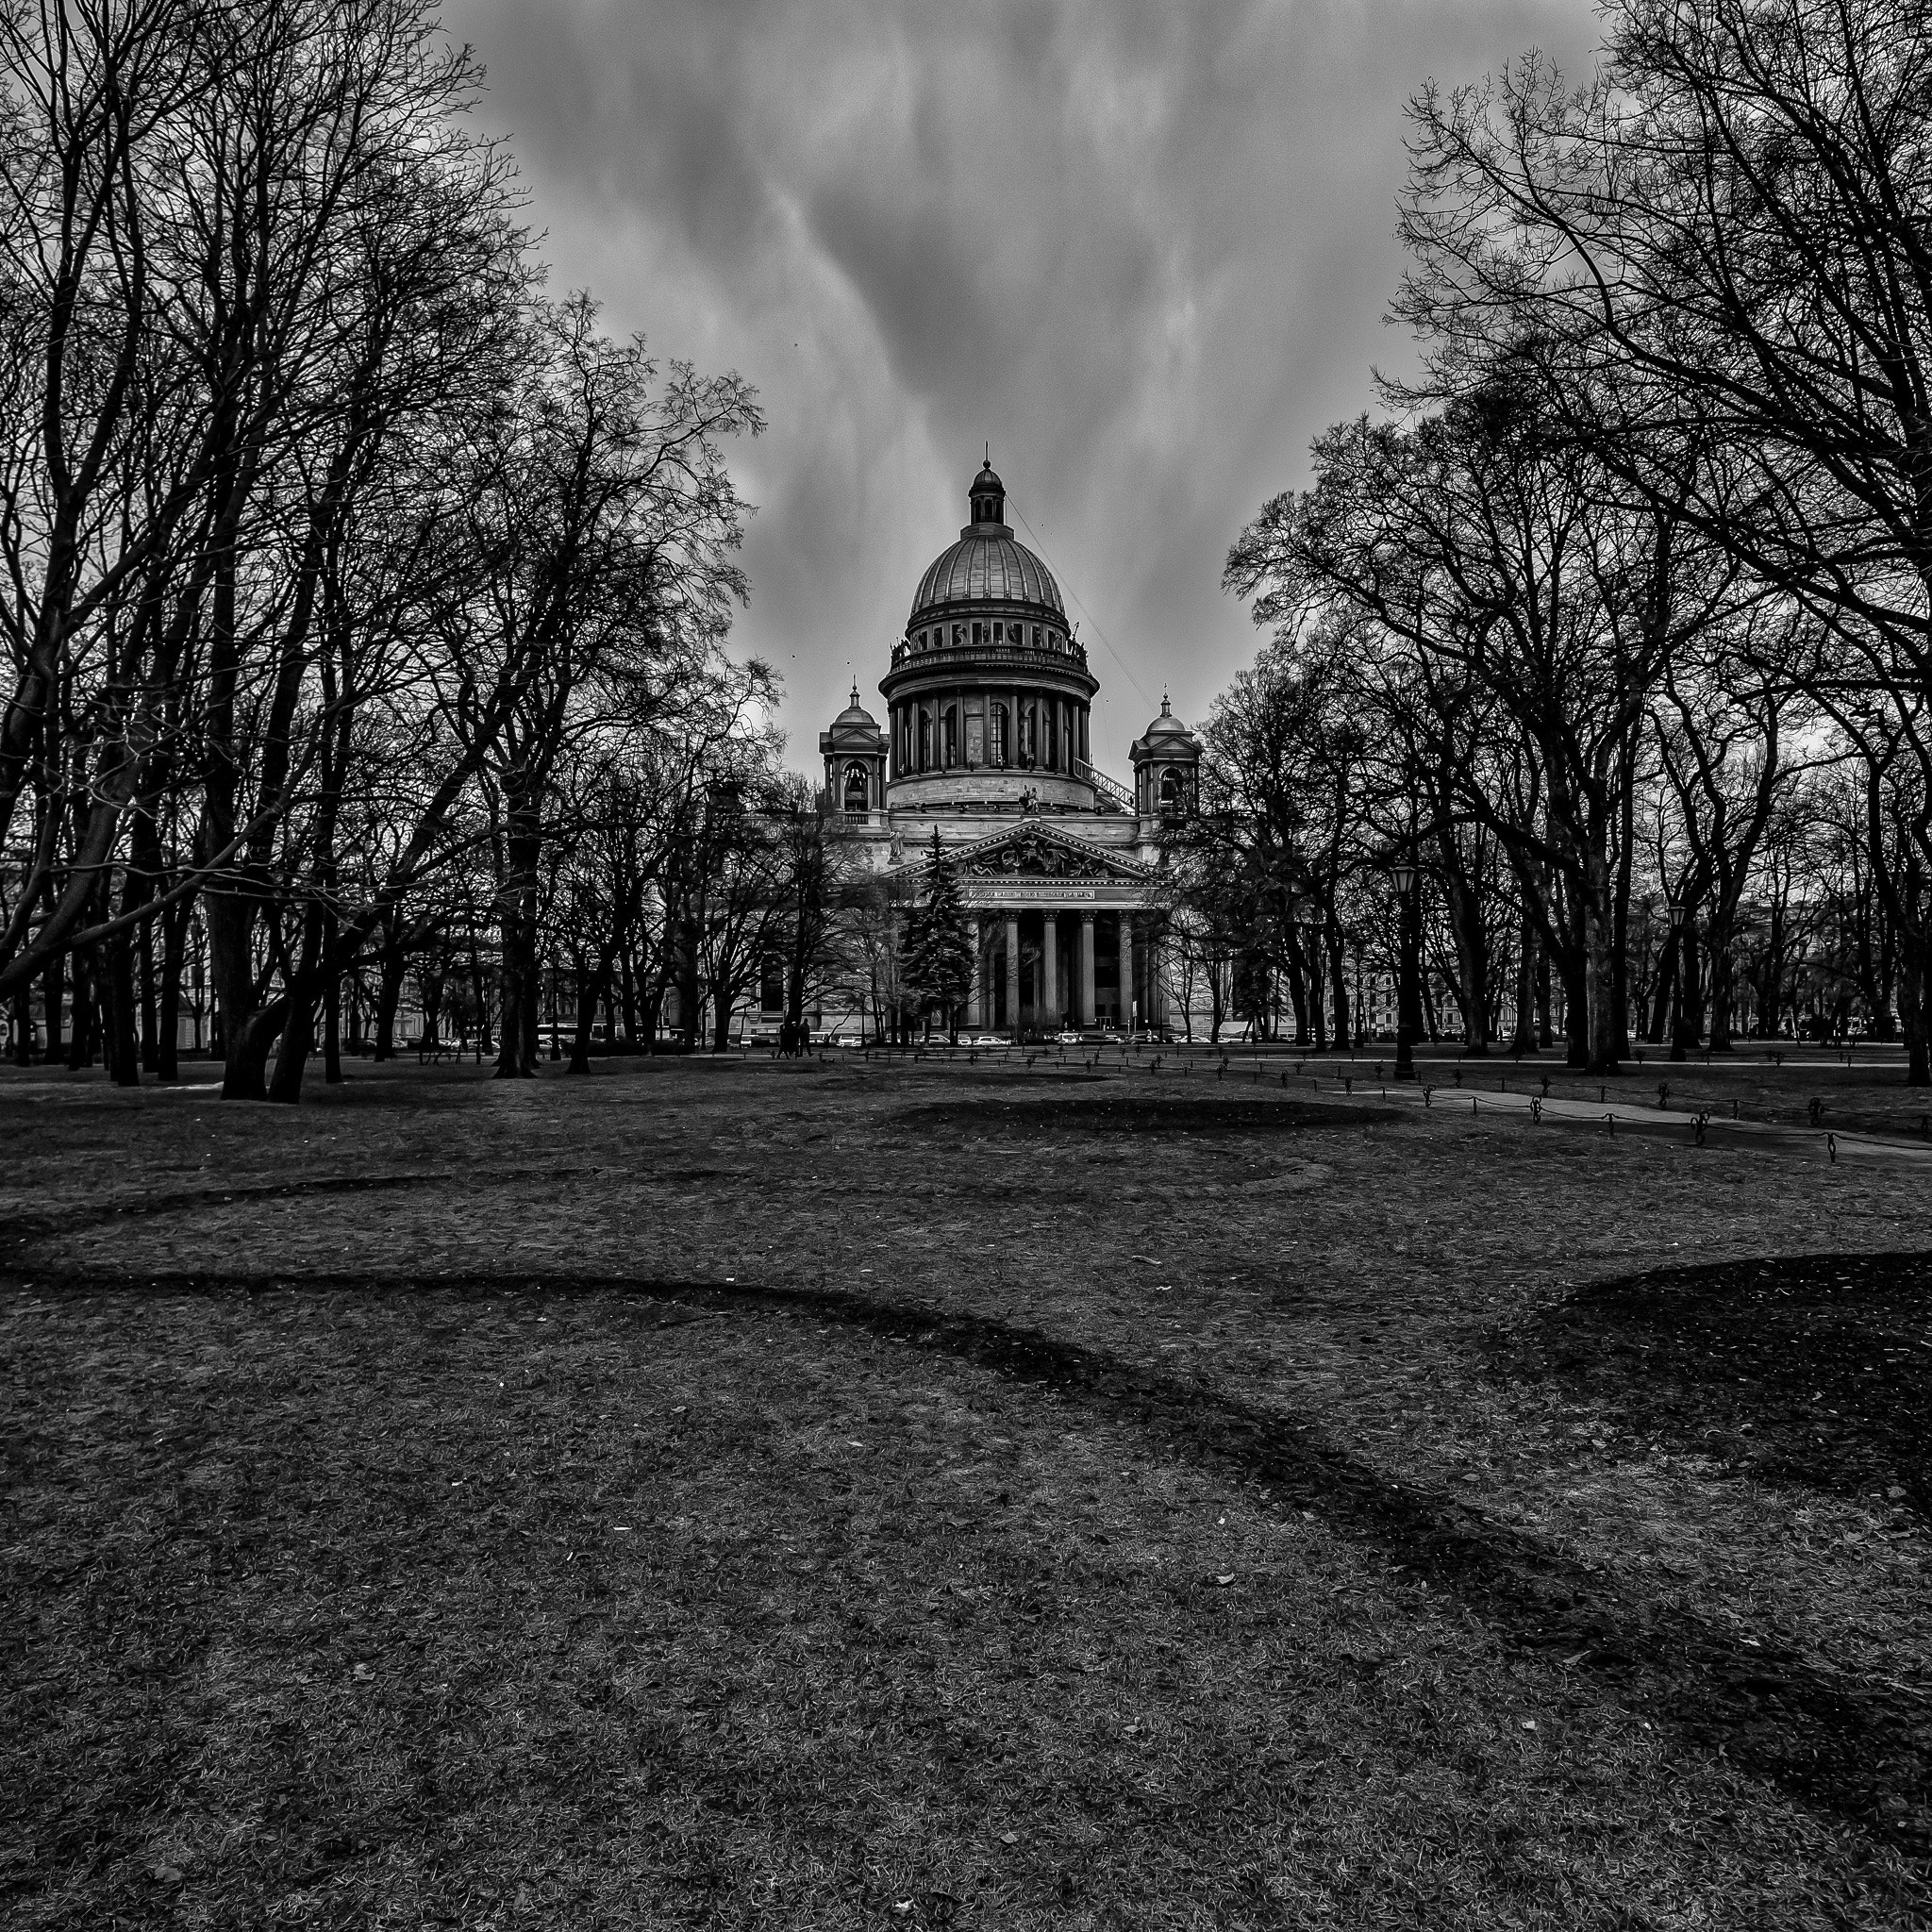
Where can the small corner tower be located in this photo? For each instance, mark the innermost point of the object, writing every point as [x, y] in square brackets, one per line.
[1167, 768]
[855, 754]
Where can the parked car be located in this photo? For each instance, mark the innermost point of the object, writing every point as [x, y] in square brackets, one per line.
[986, 1040]
[1069, 1039]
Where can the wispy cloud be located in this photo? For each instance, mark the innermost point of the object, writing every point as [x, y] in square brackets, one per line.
[1143, 247]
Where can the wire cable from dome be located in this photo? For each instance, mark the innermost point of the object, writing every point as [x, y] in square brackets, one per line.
[1067, 583]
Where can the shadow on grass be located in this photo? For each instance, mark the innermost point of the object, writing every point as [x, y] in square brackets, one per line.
[1858, 1749]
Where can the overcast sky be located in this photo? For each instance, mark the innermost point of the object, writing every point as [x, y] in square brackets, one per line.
[1143, 247]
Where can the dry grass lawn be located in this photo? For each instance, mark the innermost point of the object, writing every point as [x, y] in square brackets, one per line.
[849, 1494]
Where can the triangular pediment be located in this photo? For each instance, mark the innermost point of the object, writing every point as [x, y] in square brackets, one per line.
[1036, 850]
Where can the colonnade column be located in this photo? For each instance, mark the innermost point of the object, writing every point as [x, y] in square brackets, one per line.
[1157, 993]
[1126, 969]
[1013, 972]
[978, 974]
[1050, 969]
[1086, 970]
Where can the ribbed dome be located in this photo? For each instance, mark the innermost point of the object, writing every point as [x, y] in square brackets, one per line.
[986, 570]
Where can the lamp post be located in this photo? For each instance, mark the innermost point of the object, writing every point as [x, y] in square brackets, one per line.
[1407, 877]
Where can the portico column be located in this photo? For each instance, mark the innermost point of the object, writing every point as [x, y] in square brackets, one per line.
[1013, 972]
[1157, 993]
[1086, 970]
[1050, 968]
[1126, 968]
[978, 974]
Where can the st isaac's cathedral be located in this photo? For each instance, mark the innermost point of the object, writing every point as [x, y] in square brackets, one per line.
[986, 740]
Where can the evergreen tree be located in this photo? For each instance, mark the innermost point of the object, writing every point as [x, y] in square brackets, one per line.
[939, 943]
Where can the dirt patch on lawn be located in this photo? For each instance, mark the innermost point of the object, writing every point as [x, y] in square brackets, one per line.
[1811, 1368]
[1138, 1110]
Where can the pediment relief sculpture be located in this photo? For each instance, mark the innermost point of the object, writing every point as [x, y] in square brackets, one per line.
[1030, 856]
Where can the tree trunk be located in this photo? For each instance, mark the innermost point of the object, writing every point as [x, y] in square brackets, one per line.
[53, 998]
[298, 1010]
[333, 1022]
[174, 935]
[1689, 1032]
[1575, 1009]
[1602, 985]
[123, 1047]
[80, 1043]
[248, 1044]
[150, 998]
[1915, 1015]
[591, 983]
[388, 993]
[1722, 982]
[481, 994]
[1472, 958]
[1619, 922]
[516, 902]
[1523, 1037]
[1345, 1021]
[295, 1043]
[231, 968]
[688, 1003]
[1297, 999]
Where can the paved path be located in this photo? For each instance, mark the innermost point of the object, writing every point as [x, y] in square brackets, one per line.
[1608, 1116]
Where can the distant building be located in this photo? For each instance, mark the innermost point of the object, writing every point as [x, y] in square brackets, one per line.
[988, 703]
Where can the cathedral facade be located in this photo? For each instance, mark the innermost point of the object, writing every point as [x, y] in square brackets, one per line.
[986, 741]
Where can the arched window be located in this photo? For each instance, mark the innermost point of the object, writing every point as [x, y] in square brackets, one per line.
[996, 724]
[1173, 789]
[858, 786]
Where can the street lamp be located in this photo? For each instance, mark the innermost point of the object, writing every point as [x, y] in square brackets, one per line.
[1405, 875]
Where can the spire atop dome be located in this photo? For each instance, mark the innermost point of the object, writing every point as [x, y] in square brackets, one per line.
[989, 497]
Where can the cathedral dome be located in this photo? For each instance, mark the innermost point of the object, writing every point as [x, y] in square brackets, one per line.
[986, 569]
[986, 565]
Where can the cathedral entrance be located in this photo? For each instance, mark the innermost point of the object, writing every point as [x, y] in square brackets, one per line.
[1049, 968]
